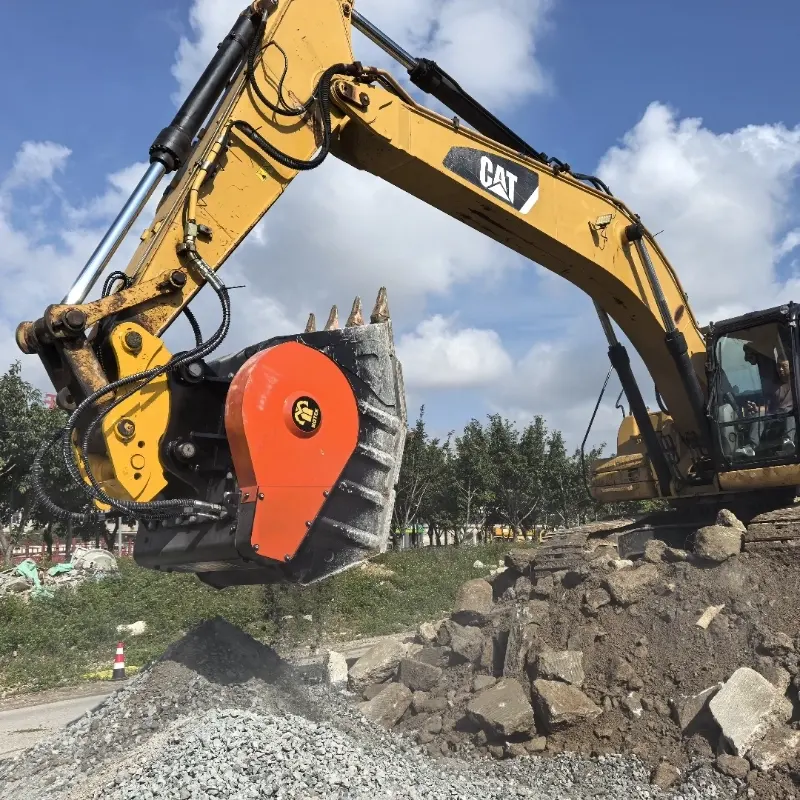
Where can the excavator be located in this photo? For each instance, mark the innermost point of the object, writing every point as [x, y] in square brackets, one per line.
[279, 463]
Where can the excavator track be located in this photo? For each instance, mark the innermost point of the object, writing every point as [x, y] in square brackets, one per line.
[774, 529]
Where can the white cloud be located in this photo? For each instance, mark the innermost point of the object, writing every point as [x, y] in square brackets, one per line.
[35, 162]
[726, 205]
[490, 49]
[437, 355]
[723, 201]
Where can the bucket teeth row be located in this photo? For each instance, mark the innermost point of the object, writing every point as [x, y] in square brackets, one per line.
[380, 313]
[333, 320]
[356, 317]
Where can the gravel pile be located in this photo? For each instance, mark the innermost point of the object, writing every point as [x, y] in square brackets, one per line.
[221, 716]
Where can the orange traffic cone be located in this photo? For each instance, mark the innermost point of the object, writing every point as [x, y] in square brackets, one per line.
[119, 663]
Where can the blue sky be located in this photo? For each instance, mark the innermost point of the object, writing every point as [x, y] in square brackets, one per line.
[699, 101]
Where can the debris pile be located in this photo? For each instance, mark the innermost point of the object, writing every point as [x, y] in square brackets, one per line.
[28, 579]
[222, 716]
[684, 659]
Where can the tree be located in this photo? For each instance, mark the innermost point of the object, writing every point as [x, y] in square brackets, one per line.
[472, 479]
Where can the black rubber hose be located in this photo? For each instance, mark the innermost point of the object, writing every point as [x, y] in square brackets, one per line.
[586, 436]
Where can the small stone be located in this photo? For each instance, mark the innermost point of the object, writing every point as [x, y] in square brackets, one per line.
[654, 551]
[478, 564]
[603, 732]
[775, 643]
[621, 563]
[595, 599]
[536, 745]
[565, 665]
[776, 675]
[544, 587]
[378, 664]
[717, 543]
[673, 555]
[474, 603]
[708, 616]
[746, 707]
[425, 737]
[521, 561]
[733, 766]
[482, 682]
[538, 611]
[561, 705]
[777, 748]
[417, 675]
[418, 701]
[434, 724]
[427, 632]
[466, 642]
[623, 673]
[690, 708]
[727, 519]
[665, 775]
[496, 751]
[387, 707]
[630, 585]
[632, 705]
[502, 710]
[523, 588]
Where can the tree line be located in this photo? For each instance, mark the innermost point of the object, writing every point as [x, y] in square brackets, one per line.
[493, 473]
[26, 422]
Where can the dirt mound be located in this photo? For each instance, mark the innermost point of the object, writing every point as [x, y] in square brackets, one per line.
[621, 657]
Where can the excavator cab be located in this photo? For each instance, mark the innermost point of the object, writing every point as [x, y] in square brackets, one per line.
[753, 382]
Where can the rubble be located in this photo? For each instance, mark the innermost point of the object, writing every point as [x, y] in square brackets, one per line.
[688, 709]
[474, 603]
[565, 666]
[628, 586]
[718, 543]
[733, 766]
[746, 707]
[502, 710]
[561, 705]
[777, 748]
[336, 669]
[417, 675]
[376, 665]
[466, 642]
[387, 706]
[29, 580]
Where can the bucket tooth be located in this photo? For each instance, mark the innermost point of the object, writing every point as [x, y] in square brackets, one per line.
[356, 317]
[333, 320]
[311, 325]
[381, 311]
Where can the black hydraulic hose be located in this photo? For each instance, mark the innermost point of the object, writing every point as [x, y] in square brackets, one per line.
[198, 334]
[660, 401]
[586, 436]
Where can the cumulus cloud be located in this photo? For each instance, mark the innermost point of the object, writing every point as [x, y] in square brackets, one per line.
[726, 205]
[505, 33]
[35, 162]
[439, 356]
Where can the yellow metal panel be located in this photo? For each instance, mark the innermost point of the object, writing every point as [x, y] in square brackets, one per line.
[760, 478]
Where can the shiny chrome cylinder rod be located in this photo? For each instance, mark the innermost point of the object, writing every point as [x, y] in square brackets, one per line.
[378, 37]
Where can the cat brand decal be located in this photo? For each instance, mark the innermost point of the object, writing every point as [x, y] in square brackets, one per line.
[512, 183]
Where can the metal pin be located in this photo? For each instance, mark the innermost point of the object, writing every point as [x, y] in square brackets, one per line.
[333, 320]
[311, 325]
[381, 311]
[356, 317]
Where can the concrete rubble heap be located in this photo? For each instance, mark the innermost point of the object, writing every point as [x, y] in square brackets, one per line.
[682, 658]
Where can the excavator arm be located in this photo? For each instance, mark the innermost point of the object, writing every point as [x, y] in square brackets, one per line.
[279, 463]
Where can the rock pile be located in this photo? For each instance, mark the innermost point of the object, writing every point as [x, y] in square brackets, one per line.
[222, 716]
[681, 658]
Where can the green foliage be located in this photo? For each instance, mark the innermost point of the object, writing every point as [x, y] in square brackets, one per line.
[46, 643]
[495, 473]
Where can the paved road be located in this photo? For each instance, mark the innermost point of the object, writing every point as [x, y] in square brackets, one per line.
[21, 728]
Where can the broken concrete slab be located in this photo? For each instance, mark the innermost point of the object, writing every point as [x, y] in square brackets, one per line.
[417, 675]
[628, 586]
[688, 709]
[777, 748]
[502, 710]
[717, 543]
[387, 707]
[378, 664]
[545, 586]
[521, 561]
[595, 599]
[560, 705]
[435, 656]
[654, 551]
[564, 665]
[336, 669]
[746, 707]
[466, 642]
[474, 603]
[522, 635]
